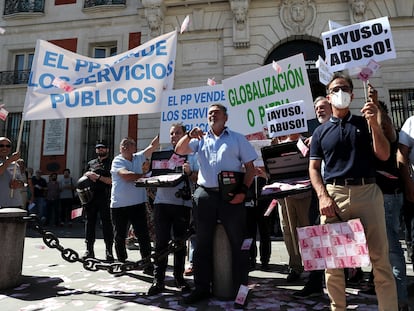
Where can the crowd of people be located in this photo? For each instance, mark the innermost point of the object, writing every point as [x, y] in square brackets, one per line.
[359, 167]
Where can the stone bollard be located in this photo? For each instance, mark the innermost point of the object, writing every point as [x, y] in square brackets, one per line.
[222, 265]
[12, 233]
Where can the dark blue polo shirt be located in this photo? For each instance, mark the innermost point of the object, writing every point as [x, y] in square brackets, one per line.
[345, 146]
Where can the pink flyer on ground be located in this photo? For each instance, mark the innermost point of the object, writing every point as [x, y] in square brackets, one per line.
[337, 245]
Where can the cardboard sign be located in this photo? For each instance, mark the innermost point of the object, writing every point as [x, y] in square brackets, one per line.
[355, 45]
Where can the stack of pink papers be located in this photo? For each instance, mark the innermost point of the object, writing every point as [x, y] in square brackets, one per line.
[337, 245]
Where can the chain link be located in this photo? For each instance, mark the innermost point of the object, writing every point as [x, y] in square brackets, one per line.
[94, 264]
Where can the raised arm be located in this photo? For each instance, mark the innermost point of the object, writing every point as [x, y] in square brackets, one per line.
[155, 143]
[182, 146]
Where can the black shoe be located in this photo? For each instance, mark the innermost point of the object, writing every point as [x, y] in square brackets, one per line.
[403, 308]
[182, 285]
[196, 296]
[88, 254]
[265, 267]
[149, 270]
[307, 292]
[252, 266]
[109, 256]
[355, 277]
[293, 276]
[156, 288]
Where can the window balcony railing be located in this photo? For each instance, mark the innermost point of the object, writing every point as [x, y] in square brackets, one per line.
[23, 6]
[14, 77]
[95, 3]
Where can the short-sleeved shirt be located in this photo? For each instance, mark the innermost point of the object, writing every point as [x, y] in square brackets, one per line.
[228, 152]
[345, 145]
[125, 193]
[5, 178]
[166, 195]
[406, 138]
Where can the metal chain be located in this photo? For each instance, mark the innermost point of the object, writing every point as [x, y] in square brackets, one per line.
[94, 264]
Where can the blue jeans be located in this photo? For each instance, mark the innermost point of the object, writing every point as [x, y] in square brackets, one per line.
[392, 206]
[40, 208]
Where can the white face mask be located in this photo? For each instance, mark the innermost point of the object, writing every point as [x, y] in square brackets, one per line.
[341, 99]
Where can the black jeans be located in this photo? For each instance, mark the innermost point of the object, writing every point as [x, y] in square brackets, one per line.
[176, 219]
[257, 221]
[209, 207]
[98, 205]
[137, 216]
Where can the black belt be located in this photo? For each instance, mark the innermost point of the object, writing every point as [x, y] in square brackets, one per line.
[352, 181]
[213, 189]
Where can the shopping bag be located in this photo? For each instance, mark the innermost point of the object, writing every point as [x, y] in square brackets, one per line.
[336, 245]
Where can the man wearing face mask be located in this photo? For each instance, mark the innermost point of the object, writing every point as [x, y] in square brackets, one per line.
[348, 144]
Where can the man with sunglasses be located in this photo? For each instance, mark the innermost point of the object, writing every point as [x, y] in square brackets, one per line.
[98, 171]
[348, 144]
[9, 185]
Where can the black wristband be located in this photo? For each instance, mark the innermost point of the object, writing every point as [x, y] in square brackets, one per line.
[188, 135]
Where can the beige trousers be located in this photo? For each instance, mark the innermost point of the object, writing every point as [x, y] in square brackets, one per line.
[293, 213]
[364, 202]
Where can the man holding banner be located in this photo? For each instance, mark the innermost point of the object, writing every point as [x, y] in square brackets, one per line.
[348, 145]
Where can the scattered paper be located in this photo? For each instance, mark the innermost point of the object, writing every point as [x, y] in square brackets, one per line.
[185, 24]
[277, 67]
[211, 82]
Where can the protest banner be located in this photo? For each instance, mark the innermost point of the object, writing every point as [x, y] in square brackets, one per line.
[63, 84]
[286, 119]
[357, 44]
[189, 107]
[251, 93]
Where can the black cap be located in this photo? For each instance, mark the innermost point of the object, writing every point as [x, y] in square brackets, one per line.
[101, 144]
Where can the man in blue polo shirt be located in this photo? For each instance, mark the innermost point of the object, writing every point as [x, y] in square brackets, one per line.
[348, 144]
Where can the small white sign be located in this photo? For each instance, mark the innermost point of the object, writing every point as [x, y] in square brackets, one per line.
[54, 137]
[287, 119]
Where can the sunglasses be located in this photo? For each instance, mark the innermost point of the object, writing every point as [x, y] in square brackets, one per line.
[344, 88]
[100, 147]
[5, 146]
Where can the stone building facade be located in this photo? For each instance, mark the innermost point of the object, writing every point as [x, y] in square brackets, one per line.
[224, 38]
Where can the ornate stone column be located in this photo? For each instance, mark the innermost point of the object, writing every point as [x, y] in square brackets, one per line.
[154, 11]
[241, 33]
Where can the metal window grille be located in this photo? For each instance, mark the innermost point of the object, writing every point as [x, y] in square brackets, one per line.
[23, 6]
[402, 105]
[98, 129]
